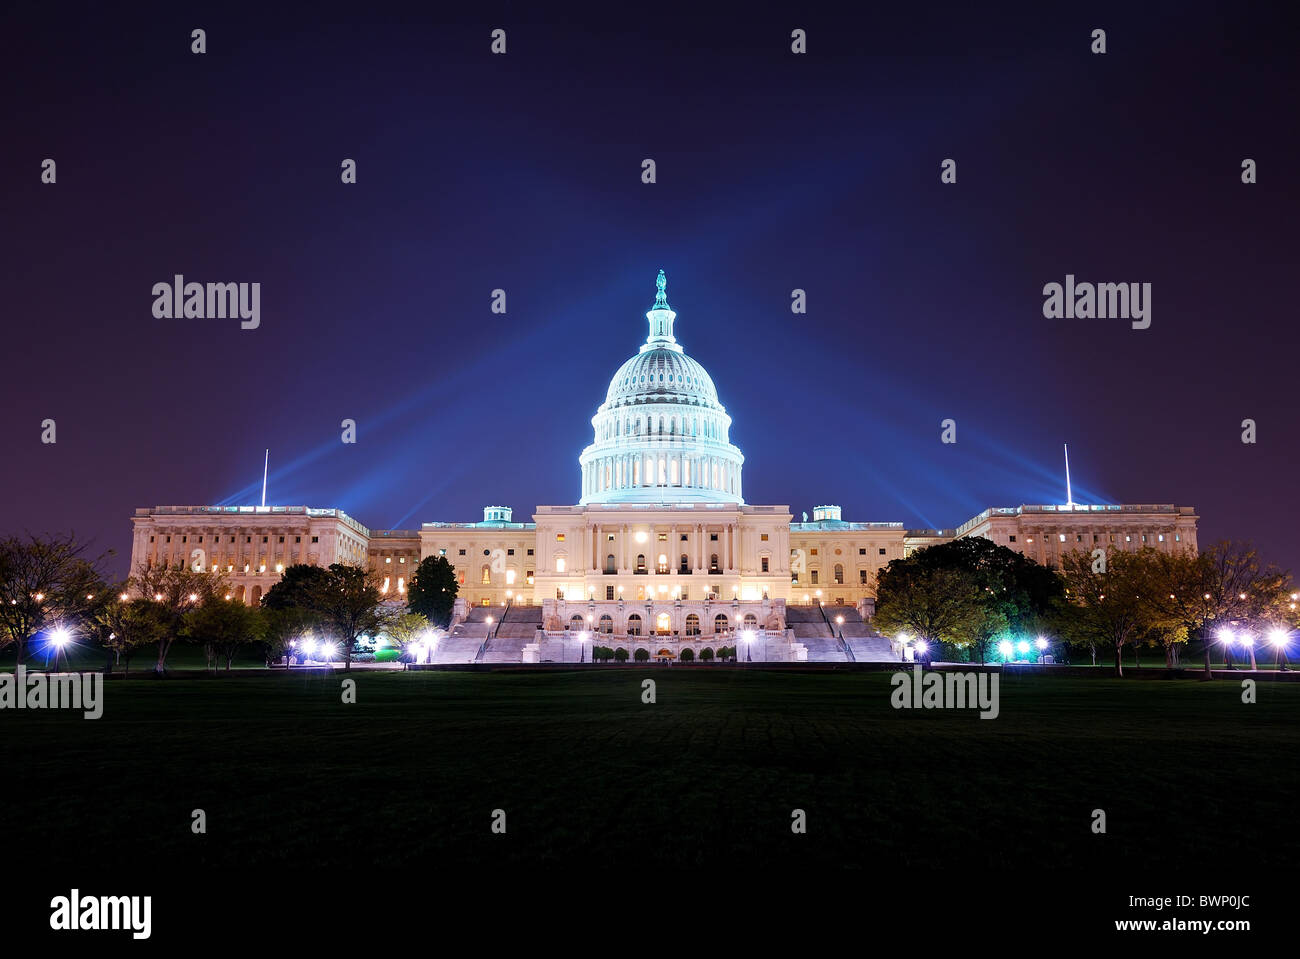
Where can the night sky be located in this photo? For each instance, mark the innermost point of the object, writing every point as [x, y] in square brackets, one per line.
[523, 172]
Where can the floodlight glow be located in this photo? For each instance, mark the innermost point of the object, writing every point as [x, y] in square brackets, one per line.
[583, 636]
[641, 536]
[839, 620]
[1248, 640]
[922, 646]
[1022, 647]
[193, 597]
[1040, 643]
[326, 650]
[1225, 636]
[1004, 648]
[1277, 637]
[60, 637]
[747, 635]
[309, 646]
[123, 597]
[489, 620]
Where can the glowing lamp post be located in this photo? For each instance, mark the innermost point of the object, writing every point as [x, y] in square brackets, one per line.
[59, 639]
[1278, 638]
[1042, 649]
[1226, 637]
[1006, 649]
[748, 637]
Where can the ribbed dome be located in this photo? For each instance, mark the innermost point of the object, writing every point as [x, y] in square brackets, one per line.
[661, 435]
[661, 375]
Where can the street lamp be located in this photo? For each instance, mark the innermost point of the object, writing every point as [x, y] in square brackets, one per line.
[1005, 648]
[748, 637]
[1042, 649]
[1226, 637]
[1278, 638]
[59, 638]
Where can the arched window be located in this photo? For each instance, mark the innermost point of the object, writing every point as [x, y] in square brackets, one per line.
[685, 565]
[487, 575]
[640, 562]
[607, 624]
[634, 625]
[720, 623]
[663, 624]
[751, 621]
[713, 563]
[839, 575]
[692, 625]
[662, 565]
[559, 566]
[609, 563]
[575, 623]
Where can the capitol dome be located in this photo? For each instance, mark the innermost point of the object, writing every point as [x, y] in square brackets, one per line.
[661, 436]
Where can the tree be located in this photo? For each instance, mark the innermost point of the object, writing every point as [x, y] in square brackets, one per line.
[349, 604]
[642, 656]
[44, 582]
[935, 604]
[177, 589]
[432, 590]
[120, 626]
[965, 592]
[223, 626]
[296, 587]
[620, 655]
[405, 629]
[706, 654]
[688, 655]
[1103, 607]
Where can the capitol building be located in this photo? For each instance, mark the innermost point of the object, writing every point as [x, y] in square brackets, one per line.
[660, 553]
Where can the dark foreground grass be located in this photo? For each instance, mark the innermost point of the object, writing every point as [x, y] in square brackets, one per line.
[589, 776]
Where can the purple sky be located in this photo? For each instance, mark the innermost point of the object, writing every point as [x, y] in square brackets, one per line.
[774, 172]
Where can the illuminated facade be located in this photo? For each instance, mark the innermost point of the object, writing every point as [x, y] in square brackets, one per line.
[661, 553]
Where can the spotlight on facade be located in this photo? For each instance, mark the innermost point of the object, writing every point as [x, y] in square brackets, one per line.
[1005, 649]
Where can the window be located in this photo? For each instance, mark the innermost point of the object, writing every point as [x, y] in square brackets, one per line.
[720, 623]
[510, 552]
[1061, 537]
[684, 564]
[661, 567]
[281, 539]
[683, 537]
[882, 551]
[862, 551]
[634, 625]
[609, 537]
[765, 564]
[559, 537]
[713, 537]
[763, 537]
[813, 574]
[1012, 537]
[813, 552]
[839, 575]
[560, 564]
[510, 577]
[606, 625]
[484, 601]
[266, 539]
[663, 537]
[640, 562]
[692, 625]
[609, 564]
[528, 577]
[713, 563]
[530, 552]
[388, 559]
[862, 577]
[442, 552]
[487, 575]
[460, 552]
[609, 592]
[296, 539]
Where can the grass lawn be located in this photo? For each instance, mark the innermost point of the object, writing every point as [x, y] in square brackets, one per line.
[1189, 777]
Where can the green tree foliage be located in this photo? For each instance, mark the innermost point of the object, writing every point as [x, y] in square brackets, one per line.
[432, 590]
[407, 628]
[620, 655]
[1104, 608]
[349, 604]
[177, 590]
[223, 626]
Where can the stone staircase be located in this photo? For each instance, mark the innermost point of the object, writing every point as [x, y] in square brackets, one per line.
[517, 629]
